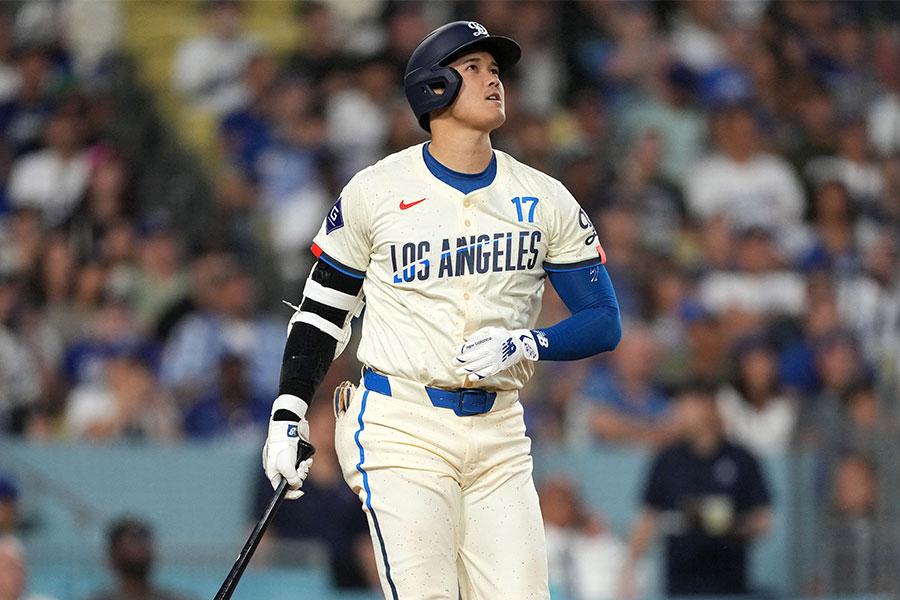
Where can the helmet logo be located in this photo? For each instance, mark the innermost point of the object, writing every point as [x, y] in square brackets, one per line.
[478, 27]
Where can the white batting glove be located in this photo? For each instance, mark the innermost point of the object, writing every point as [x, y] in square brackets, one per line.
[493, 349]
[280, 452]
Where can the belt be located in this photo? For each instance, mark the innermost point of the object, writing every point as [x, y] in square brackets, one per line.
[465, 402]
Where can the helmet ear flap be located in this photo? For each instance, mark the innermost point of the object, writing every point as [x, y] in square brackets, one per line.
[432, 90]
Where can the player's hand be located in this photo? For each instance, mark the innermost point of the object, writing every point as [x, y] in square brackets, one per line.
[493, 349]
[280, 452]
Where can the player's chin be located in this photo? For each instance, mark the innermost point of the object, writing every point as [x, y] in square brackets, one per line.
[493, 118]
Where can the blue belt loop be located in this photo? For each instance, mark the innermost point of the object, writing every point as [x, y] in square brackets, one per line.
[464, 402]
[377, 383]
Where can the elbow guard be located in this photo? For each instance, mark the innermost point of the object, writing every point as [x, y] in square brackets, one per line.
[328, 304]
[319, 329]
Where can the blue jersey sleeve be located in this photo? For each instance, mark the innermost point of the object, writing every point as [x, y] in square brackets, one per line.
[595, 325]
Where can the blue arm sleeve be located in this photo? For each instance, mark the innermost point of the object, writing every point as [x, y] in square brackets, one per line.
[595, 325]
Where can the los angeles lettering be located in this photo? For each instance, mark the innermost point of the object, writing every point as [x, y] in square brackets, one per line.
[467, 255]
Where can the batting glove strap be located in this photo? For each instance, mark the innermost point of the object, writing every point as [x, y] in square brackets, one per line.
[292, 405]
[493, 349]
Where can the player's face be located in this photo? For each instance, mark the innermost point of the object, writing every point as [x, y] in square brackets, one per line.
[481, 102]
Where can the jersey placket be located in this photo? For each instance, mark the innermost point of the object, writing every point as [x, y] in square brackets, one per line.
[471, 307]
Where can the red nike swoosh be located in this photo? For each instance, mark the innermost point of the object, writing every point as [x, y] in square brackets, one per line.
[404, 206]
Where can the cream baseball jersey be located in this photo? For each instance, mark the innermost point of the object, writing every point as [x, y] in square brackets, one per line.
[439, 264]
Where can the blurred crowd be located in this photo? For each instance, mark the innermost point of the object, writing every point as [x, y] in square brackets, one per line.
[740, 160]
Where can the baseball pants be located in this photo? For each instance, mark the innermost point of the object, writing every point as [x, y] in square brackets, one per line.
[450, 500]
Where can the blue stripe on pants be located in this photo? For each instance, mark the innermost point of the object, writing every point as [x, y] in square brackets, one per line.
[359, 467]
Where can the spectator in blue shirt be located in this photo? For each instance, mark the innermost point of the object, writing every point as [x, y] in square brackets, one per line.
[230, 410]
[226, 323]
[623, 402]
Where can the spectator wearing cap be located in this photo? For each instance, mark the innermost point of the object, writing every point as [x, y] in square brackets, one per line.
[131, 554]
[709, 499]
[703, 351]
[128, 403]
[23, 117]
[108, 328]
[54, 179]
[754, 412]
[208, 68]
[14, 571]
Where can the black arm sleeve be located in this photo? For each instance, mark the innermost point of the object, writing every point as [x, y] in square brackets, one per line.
[309, 351]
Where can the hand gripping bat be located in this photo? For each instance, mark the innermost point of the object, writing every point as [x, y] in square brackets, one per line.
[304, 451]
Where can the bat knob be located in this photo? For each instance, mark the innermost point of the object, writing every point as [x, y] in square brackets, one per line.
[304, 451]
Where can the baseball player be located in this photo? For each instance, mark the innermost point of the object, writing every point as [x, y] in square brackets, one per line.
[449, 242]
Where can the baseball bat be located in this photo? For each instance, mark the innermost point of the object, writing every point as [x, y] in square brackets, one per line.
[304, 451]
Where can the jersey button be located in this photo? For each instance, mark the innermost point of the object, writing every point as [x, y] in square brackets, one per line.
[466, 203]
[468, 223]
[466, 295]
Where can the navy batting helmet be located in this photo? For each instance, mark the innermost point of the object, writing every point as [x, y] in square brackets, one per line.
[427, 68]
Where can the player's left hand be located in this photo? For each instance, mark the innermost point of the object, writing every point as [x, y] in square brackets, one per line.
[493, 349]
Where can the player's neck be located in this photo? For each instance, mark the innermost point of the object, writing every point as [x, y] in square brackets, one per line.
[462, 150]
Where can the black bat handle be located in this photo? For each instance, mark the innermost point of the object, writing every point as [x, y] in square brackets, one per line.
[304, 451]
